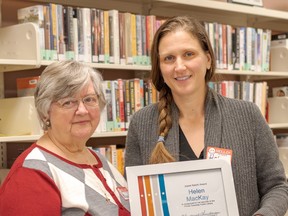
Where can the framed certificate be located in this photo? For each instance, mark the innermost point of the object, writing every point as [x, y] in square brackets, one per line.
[188, 188]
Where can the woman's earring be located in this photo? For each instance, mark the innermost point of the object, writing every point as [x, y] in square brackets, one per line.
[48, 123]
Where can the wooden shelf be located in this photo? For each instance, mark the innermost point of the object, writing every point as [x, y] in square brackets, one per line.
[33, 138]
[111, 66]
[227, 13]
[279, 126]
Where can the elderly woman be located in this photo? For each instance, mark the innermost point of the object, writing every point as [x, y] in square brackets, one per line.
[59, 175]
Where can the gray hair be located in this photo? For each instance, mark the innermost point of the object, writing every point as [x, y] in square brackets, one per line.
[64, 79]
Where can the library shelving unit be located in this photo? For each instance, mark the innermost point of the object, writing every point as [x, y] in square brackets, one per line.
[20, 49]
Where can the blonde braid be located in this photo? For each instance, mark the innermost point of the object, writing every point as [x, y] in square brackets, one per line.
[160, 154]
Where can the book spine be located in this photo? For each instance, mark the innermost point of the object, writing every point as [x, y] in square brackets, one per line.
[69, 32]
[144, 60]
[121, 105]
[128, 39]
[122, 38]
[139, 40]
[137, 93]
[87, 34]
[114, 37]
[132, 96]
[107, 88]
[61, 49]
[94, 34]
[106, 37]
[127, 104]
[102, 36]
[47, 32]
[75, 34]
[115, 105]
[134, 39]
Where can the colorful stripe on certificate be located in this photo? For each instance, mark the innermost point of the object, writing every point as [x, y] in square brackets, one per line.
[153, 199]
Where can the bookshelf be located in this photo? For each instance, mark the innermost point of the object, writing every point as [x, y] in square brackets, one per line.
[22, 42]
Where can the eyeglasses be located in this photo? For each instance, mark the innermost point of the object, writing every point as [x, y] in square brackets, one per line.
[73, 103]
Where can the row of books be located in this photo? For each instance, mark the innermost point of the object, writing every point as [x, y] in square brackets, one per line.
[114, 154]
[124, 98]
[92, 35]
[113, 37]
[255, 92]
[240, 48]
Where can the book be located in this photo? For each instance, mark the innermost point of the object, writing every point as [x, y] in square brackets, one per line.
[150, 30]
[128, 38]
[53, 31]
[95, 34]
[137, 94]
[84, 34]
[120, 93]
[47, 32]
[120, 159]
[134, 38]
[101, 58]
[61, 49]
[115, 105]
[144, 59]
[26, 86]
[68, 14]
[132, 97]
[139, 42]
[122, 45]
[114, 37]
[107, 89]
[106, 37]
[75, 34]
[127, 101]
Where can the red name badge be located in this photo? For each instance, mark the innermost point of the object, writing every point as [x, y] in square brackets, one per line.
[219, 153]
[123, 191]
